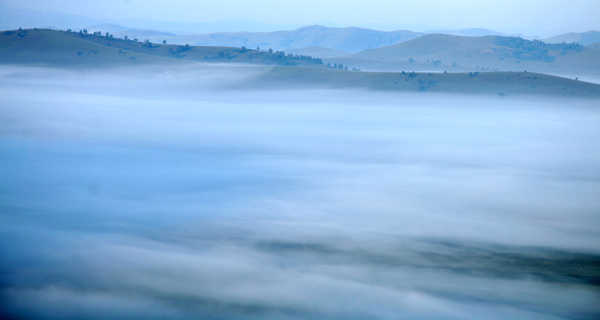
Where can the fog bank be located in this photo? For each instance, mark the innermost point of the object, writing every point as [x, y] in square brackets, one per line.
[148, 194]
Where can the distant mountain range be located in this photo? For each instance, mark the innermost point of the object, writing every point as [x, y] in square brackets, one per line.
[435, 50]
[232, 32]
[347, 39]
[13, 18]
[344, 39]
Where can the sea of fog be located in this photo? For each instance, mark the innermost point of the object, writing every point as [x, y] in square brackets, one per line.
[165, 194]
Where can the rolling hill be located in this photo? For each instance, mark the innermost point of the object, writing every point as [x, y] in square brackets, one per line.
[437, 52]
[344, 39]
[583, 38]
[486, 83]
[42, 46]
[72, 50]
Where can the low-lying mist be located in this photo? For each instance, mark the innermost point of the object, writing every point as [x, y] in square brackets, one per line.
[162, 194]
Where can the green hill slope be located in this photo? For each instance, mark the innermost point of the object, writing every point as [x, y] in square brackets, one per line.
[58, 48]
[80, 49]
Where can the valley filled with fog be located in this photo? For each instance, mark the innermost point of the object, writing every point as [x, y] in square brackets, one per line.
[146, 193]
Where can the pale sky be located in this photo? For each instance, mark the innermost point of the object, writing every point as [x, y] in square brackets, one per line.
[575, 15]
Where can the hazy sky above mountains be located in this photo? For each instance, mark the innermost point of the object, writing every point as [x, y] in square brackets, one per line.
[502, 15]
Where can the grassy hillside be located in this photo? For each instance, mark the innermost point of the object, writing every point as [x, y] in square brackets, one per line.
[583, 38]
[344, 39]
[489, 83]
[70, 48]
[58, 48]
[490, 53]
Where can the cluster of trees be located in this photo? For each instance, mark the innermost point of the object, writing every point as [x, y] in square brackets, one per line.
[177, 51]
[535, 50]
[275, 57]
[84, 32]
[280, 58]
[22, 33]
[412, 74]
[339, 66]
[148, 44]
